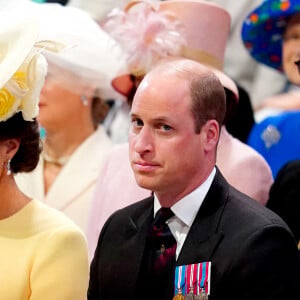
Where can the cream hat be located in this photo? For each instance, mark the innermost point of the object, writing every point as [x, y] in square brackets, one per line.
[90, 52]
[22, 67]
[98, 9]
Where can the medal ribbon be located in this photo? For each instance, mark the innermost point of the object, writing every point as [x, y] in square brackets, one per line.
[180, 279]
[191, 273]
[204, 277]
[194, 275]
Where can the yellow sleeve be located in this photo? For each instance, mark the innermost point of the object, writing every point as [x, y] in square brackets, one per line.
[60, 270]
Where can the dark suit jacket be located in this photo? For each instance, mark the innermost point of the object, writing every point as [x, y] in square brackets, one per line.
[253, 252]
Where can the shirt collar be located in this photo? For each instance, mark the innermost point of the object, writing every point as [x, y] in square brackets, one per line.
[187, 207]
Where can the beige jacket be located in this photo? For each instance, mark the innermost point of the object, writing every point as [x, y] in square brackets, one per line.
[72, 190]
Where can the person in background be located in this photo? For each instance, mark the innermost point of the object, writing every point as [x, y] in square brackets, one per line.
[257, 79]
[284, 196]
[275, 48]
[271, 34]
[252, 77]
[243, 248]
[243, 167]
[44, 254]
[72, 107]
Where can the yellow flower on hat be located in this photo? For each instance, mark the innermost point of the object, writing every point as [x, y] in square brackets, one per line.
[21, 92]
[35, 69]
[8, 104]
[23, 68]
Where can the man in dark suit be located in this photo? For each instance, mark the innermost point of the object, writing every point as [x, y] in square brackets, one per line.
[239, 249]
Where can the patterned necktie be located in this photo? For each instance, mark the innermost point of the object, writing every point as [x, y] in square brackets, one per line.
[162, 243]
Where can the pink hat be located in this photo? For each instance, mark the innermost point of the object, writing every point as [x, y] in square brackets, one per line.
[206, 28]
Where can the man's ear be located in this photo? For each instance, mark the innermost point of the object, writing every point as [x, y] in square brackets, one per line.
[212, 130]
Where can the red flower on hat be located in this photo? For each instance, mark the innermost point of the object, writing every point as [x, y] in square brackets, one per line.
[275, 58]
[254, 18]
[268, 24]
[249, 45]
[285, 5]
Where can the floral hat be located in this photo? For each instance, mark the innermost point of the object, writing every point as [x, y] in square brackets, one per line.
[22, 67]
[263, 28]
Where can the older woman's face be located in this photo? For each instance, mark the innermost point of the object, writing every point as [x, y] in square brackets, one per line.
[59, 100]
[291, 49]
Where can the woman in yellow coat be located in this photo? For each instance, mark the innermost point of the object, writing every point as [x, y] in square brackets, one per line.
[44, 254]
[72, 108]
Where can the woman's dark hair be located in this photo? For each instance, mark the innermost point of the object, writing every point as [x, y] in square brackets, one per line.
[239, 118]
[284, 196]
[27, 156]
[99, 109]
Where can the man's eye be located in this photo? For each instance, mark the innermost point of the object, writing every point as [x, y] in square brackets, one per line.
[165, 127]
[137, 123]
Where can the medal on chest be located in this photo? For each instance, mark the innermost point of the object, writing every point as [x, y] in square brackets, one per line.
[192, 282]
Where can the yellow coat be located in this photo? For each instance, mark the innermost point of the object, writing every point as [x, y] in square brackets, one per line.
[43, 256]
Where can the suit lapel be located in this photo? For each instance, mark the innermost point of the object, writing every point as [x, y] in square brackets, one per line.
[205, 235]
[201, 242]
[135, 240]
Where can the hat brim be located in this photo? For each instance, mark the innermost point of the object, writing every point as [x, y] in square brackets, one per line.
[16, 41]
[263, 29]
[227, 82]
[123, 84]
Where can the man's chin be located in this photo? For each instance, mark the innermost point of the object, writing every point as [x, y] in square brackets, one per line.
[145, 183]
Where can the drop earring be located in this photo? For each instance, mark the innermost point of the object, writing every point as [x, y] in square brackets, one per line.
[8, 168]
[84, 100]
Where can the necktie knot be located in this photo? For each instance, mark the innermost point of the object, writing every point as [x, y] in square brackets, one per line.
[162, 215]
[160, 235]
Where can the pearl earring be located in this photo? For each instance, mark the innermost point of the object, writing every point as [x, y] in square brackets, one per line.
[84, 100]
[8, 168]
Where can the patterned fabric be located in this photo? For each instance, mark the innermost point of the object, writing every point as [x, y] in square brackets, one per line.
[162, 242]
[277, 139]
[263, 29]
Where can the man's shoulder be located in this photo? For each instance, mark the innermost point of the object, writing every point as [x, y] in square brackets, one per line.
[239, 206]
[252, 213]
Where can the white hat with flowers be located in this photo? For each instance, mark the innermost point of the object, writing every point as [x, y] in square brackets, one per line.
[22, 66]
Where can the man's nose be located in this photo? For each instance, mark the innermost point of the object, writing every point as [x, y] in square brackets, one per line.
[144, 141]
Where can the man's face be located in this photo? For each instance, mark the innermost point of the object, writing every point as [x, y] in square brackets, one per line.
[166, 154]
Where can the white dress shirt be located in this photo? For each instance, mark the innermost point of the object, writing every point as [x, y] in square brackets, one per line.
[185, 211]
